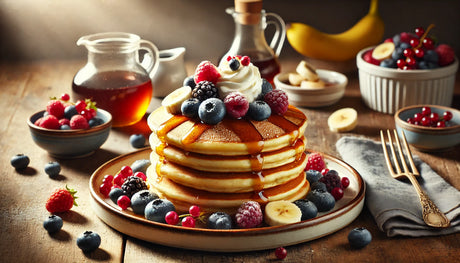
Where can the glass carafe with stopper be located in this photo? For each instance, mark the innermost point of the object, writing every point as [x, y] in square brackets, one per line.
[114, 77]
[249, 40]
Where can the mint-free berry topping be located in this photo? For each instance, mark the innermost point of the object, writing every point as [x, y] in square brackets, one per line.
[234, 64]
[137, 140]
[206, 71]
[259, 110]
[194, 211]
[52, 169]
[277, 100]
[188, 221]
[331, 180]
[359, 237]
[204, 90]
[219, 220]
[140, 200]
[189, 108]
[53, 224]
[124, 202]
[280, 253]
[315, 161]
[115, 193]
[50, 122]
[212, 111]
[88, 241]
[245, 60]
[78, 122]
[172, 218]
[236, 105]
[56, 108]
[20, 161]
[249, 215]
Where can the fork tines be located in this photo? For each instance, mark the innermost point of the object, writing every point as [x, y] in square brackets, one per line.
[405, 170]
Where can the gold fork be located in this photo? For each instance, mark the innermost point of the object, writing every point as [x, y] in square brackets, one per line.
[431, 214]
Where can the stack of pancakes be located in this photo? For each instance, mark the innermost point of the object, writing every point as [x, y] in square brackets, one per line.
[218, 167]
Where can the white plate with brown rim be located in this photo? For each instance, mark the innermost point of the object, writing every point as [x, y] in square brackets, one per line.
[234, 240]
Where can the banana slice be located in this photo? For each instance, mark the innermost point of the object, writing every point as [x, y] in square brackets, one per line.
[307, 84]
[343, 120]
[174, 100]
[307, 71]
[295, 79]
[383, 51]
[281, 213]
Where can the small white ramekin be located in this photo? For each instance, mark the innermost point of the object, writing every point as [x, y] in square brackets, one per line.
[387, 90]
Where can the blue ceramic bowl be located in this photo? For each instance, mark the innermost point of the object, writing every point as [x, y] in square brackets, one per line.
[71, 143]
[429, 138]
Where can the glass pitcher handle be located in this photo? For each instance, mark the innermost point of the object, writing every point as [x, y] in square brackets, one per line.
[151, 58]
[280, 34]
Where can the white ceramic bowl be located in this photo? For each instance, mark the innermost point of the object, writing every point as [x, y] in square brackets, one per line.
[387, 90]
[314, 97]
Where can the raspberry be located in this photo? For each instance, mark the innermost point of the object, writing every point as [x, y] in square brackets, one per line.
[64, 121]
[49, 122]
[249, 215]
[132, 185]
[78, 122]
[124, 202]
[331, 180]
[245, 61]
[61, 200]
[446, 54]
[277, 100]
[206, 71]
[236, 104]
[315, 162]
[56, 108]
[38, 121]
[204, 90]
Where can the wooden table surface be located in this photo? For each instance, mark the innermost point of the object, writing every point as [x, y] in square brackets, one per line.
[26, 87]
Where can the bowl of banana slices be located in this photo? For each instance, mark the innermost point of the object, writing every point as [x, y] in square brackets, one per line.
[310, 87]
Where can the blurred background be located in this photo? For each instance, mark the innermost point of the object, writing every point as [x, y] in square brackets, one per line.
[49, 29]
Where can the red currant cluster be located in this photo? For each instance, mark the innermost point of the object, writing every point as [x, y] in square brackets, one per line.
[419, 44]
[188, 220]
[428, 118]
[109, 182]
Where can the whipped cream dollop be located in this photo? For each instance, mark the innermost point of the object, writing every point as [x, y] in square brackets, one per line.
[246, 79]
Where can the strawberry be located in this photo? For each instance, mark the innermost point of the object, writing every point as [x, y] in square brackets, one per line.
[61, 200]
[316, 162]
[446, 54]
[206, 71]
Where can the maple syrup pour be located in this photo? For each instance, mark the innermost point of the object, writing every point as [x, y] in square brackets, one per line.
[169, 125]
[195, 133]
[247, 133]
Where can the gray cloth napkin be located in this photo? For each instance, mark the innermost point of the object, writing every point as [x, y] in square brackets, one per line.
[394, 203]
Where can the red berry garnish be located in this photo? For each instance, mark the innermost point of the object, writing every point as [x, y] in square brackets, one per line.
[108, 179]
[87, 114]
[277, 99]
[426, 121]
[426, 111]
[188, 221]
[56, 108]
[316, 162]
[410, 61]
[118, 179]
[229, 58]
[434, 117]
[126, 171]
[64, 121]
[80, 105]
[324, 171]
[405, 37]
[337, 193]
[49, 122]
[105, 189]
[78, 122]
[206, 71]
[194, 211]
[418, 117]
[441, 124]
[172, 218]
[419, 52]
[141, 175]
[124, 202]
[280, 253]
[245, 60]
[447, 116]
[401, 63]
[390, 39]
[236, 105]
[345, 182]
[428, 43]
[419, 31]
[65, 97]
[414, 42]
[408, 52]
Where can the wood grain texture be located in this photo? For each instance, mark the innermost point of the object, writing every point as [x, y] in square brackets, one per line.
[26, 87]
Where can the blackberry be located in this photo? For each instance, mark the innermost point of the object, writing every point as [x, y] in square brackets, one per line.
[204, 90]
[331, 180]
[132, 185]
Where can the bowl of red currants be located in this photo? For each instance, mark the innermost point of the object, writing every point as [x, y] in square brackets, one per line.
[429, 127]
[408, 69]
[70, 130]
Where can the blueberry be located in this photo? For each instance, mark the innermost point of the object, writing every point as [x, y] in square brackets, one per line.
[140, 165]
[115, 193]
[266, 88]
[65, 127]
[431, 56]
[388, 63]
[397, 40]
[323, 200]
[140, 200]
[95, 122]
[70, 111]
[52, 169]
[190, 107]
[53, 224]
[137, 140]
[157, 209]
[359, 237]
[259, 110]
[20, 161]
[313, 176]
[398, 53]
[212, 111]
[234, 64]
[404, 45]
[220, 220]
[88, 241]
[189, 81]
[318, 185]
[307, 207]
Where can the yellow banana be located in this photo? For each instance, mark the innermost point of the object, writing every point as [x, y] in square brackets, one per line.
[313, 43]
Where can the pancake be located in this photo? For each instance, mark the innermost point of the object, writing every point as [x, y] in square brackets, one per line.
[183, 196]
[230, 136]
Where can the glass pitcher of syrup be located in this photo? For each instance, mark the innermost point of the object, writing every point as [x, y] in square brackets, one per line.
[114, 77]
[249, 40]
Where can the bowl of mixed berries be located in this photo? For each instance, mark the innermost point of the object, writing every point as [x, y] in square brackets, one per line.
[410, 68]
[429, 127]
[70, 130]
